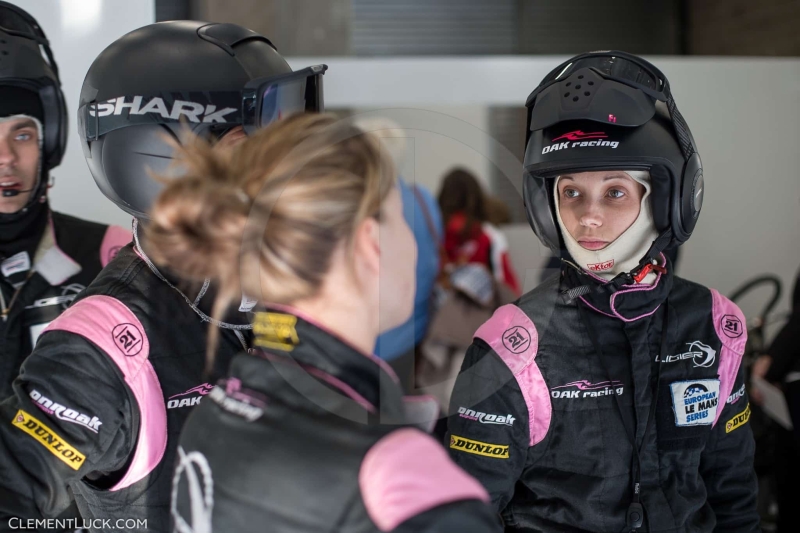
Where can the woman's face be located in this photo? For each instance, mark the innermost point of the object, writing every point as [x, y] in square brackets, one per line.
[398, 262]
[597, 207]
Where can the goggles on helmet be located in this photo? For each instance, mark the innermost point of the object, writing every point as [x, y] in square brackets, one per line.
[260, 102]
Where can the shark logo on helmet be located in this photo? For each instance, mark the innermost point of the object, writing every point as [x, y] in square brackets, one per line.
[192, 111]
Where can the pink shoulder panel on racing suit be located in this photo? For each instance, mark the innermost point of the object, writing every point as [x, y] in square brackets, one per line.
[407, 473]
[115, 238]
[116, 330]
[730, 325]
[513, 336]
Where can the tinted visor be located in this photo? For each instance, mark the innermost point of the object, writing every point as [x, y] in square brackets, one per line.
[268, 99]
[618, 66]
[260, 102]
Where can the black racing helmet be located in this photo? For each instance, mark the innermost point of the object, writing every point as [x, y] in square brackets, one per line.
[168, 77]
[29, 85]
[611, 110]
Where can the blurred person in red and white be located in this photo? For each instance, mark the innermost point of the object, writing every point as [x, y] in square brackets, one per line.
[469, 237]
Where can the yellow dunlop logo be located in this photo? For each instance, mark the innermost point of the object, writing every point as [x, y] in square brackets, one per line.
[738, 420]
[49, 439]
[275, 330]
[495, 451]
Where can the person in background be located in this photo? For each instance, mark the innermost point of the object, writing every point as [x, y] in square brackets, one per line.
[46, 258]
[782, 368]
[398, 346]
[468, 236]
[497, 211]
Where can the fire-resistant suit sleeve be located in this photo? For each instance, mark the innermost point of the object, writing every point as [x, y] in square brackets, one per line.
[71, 416]
[488, 432]
[726, 465]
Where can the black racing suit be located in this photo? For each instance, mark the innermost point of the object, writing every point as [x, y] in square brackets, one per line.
[100, 402]
[68, 257]
[310, 435]
[785, 372]
[552, 394]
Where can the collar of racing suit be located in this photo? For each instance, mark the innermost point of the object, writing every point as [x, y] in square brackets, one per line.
[199, 296]
[311, 360]
[629, 303]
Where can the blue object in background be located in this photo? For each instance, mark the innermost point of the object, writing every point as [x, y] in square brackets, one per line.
[403, 338]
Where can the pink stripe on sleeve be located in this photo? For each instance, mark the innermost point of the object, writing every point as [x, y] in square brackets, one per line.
[115, 329]
[731, 328]
[513, 336]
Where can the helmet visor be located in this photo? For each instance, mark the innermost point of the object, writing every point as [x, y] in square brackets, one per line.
[13, 22]
[268, 99]
[618, 66]
[259, 103]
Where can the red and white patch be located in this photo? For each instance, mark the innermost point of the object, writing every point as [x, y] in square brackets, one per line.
[599, 267]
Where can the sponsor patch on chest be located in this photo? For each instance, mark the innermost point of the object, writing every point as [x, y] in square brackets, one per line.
[15, 264]
[476, 447]
[695, 402]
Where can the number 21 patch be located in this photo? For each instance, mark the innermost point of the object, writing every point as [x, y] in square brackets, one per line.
[695, 402]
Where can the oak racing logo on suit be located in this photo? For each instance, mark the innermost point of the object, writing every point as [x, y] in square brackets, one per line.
[586, 389]
[175, 401]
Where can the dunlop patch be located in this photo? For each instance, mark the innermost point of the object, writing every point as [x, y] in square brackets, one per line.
[495, 451]
[738, 420]
[49, 439]
[275, 330]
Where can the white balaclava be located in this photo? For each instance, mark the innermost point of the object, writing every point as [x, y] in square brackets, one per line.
[624, 253]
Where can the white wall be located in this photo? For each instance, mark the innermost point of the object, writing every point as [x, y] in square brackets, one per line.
[78, 31]
[426, 149]
[744, 114]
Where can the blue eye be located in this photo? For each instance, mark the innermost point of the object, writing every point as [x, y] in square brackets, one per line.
[571, 193]
[24, 137]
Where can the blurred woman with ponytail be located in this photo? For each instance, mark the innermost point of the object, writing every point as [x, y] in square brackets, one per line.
[309, 432]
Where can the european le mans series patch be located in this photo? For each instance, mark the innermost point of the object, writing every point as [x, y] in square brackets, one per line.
[49, 439]
[495, 451]
[738, 420]
[695, 402]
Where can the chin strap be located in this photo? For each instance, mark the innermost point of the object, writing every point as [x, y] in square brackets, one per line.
[648, 264]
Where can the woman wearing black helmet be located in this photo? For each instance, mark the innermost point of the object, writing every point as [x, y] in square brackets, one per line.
[610, 398]
[100, 402]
